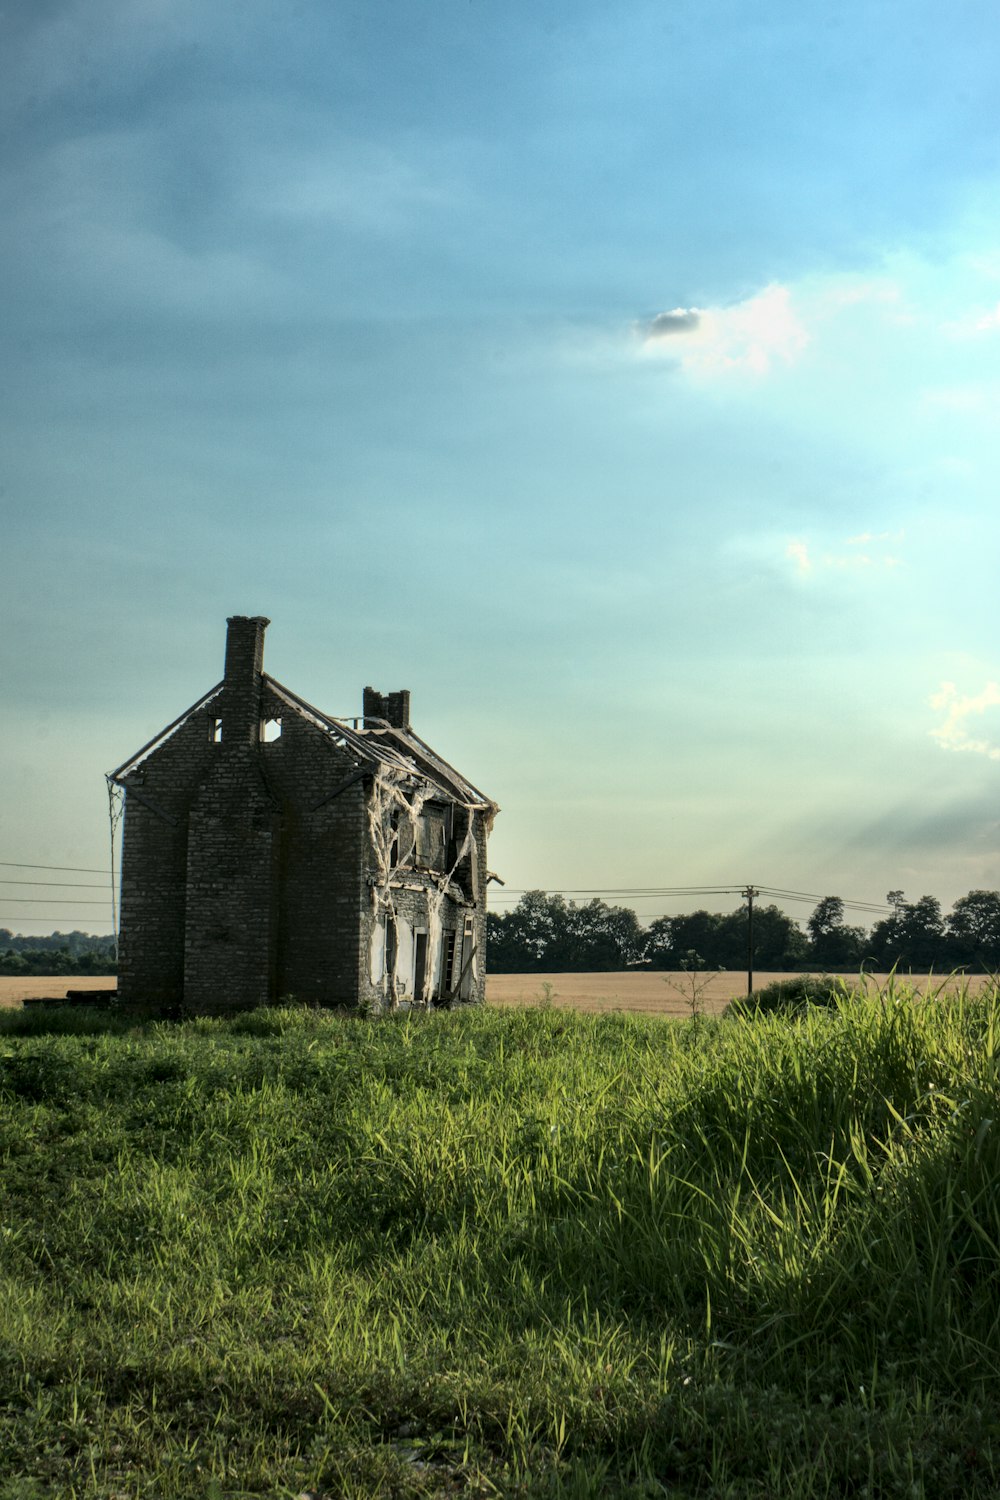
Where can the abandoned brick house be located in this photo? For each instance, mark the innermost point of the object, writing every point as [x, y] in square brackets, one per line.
[270, 850]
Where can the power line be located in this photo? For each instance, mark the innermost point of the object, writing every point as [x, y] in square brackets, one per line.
[636, 892]
[11, 864]
[61, 885]
[50, 917]
[44, 901]
[665, 892]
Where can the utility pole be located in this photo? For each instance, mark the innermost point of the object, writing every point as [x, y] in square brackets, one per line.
[749, 892]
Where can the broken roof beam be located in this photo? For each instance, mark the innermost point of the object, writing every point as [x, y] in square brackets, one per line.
[439, 769]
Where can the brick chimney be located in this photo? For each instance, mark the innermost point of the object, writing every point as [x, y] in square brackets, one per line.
[394, 708]
[244, 665]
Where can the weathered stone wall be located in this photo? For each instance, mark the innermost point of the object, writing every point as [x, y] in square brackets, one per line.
[230, 928]
[252, 890]
[154, 862]
[320, 884]
[249, 872]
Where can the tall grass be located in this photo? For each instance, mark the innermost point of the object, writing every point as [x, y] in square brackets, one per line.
[505, 1252]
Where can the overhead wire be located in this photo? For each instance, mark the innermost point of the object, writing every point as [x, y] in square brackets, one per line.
[12, 864]
[636, 892]
[60, 885]
[44, 901]
[510, 896]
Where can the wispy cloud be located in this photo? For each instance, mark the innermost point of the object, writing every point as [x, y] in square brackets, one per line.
[967, 398]
[747, 336]
[971, 322]
[954, 732]
[807, 561]
[355, 186]
[799, 554]
[865, 538]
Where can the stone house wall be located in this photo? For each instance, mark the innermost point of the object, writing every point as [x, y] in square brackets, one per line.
[250, 869]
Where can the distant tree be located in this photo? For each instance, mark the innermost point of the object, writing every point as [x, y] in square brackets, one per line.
[547, 933]
[921, 934]
[601, 937]
[912, 936]
[722, 940]
[72, 942]
[659, 943]
[974, 929]
[827, 917]
[704, 933]
[832, 943]
[518, 941]
[883, 943]
[779, 942]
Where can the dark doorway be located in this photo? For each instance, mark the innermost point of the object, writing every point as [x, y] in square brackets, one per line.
[419, 964]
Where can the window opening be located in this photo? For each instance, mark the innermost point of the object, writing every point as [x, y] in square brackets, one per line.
[270, 730]
[469, 972]
[430, 839]
[215, 731]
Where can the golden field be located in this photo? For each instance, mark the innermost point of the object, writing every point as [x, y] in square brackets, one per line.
[643, 990]
[14, 990]
[666, 994]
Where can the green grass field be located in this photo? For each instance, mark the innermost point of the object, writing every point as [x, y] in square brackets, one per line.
[502, 1252]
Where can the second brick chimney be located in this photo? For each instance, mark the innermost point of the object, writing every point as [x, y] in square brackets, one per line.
[393, 708]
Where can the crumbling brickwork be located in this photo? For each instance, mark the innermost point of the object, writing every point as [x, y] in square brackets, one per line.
[270, 851]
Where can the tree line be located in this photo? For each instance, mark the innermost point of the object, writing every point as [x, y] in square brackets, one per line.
[58, 953]
[546, 933]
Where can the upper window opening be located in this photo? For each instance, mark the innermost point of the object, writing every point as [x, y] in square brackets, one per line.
[270, 730]
[430, 839]
[215, 731]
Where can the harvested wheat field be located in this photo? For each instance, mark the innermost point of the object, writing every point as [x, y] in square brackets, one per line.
[667, 994]
[654, 993]
[14, 990]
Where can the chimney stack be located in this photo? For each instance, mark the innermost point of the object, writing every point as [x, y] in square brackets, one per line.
[244, 665]
[394, 708]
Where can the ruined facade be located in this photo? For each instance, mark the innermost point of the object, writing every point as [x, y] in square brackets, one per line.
[270, 850]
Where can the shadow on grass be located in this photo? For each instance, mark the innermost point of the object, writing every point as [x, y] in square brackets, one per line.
[76, 1020]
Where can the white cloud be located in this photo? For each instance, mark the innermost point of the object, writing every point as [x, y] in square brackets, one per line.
[807, 561]
[848, 291]
[953, 733]
[965, 398]
[865, 538]
[745, 336]
[799, 554]
[884, 296]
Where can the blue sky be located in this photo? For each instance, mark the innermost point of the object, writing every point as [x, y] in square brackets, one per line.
[623, 380]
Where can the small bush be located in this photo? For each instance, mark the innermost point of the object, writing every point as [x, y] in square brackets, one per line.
[791, 996]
